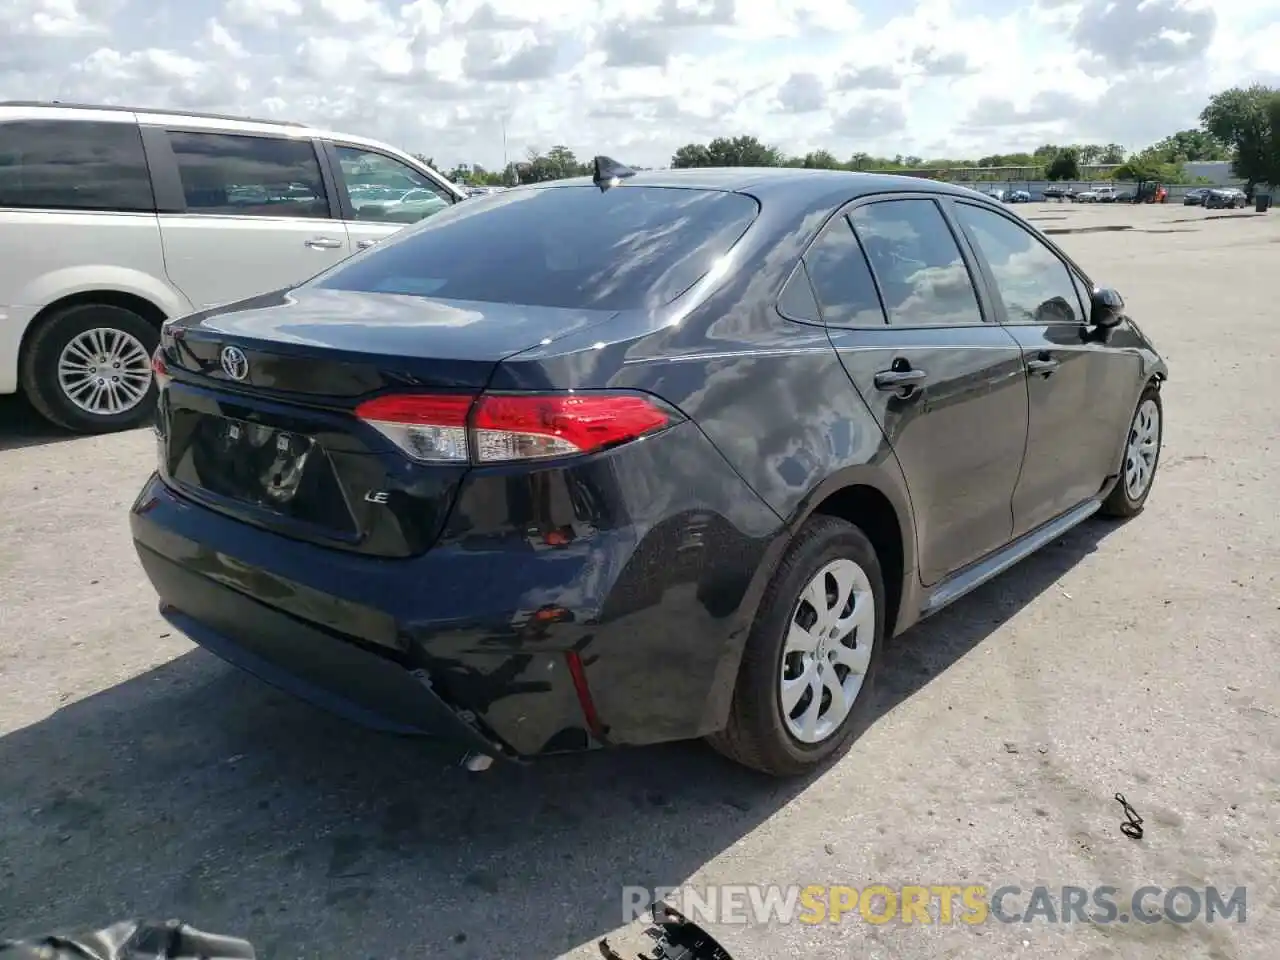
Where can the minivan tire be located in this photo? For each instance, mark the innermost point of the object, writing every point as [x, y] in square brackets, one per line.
[39, 367]
[757, 735]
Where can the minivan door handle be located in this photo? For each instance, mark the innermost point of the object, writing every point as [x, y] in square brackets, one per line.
[323, 243]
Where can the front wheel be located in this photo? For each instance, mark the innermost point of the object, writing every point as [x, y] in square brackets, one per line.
[87, 368]
[806, 685]
[1141, 457]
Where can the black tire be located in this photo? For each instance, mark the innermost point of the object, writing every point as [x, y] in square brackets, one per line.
[756, 735]
[1118, 503]
[39, 367]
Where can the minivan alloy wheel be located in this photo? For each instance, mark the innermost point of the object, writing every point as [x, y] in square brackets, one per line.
[827, 651]
[104, 371]
[1144, 446]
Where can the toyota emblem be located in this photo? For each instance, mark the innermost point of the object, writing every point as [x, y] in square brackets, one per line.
[234, 363]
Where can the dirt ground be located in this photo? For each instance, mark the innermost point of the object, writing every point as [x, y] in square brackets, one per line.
[139, 776]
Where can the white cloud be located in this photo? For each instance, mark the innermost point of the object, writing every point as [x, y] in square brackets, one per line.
[639, 78]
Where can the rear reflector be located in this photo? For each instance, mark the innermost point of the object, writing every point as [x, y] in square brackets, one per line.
[500, 428]
[158, 368]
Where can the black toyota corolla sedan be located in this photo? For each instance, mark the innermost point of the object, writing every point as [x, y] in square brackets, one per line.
[638, 457]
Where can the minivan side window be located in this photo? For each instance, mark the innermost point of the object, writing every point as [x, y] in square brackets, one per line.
[384, 190]
[922, 275]
[249, 176]
[843, 283]
[74, 165]
[1034, 284]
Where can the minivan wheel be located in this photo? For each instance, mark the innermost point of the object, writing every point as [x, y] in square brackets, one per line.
[87, 368]
[1141, 457]
[806, 686]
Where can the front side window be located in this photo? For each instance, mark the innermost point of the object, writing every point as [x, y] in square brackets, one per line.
[235, 175]
[74, 165]
[1034, 284]
[922, 275]
[387, 191]
[630, 247]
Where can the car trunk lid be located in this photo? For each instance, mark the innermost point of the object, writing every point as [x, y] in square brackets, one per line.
[257, 419]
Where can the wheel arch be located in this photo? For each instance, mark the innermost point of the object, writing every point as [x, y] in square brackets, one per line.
[132, 302]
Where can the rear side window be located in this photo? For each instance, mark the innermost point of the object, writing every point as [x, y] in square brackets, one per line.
[922, 275]
[842, 280]
[74, 165]
[576, 247]
[249, 176]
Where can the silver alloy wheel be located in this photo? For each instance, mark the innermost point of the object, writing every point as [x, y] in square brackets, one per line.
[104, 371]
[1144, 446]
[827, 651]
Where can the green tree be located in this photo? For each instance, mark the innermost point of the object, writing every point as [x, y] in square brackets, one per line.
[691, 155]
[1239, 118]
[1064, 166]
[423, 158]
[820, 160]
[1189, 146]
[744, 151]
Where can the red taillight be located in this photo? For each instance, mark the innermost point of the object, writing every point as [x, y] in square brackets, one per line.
[500, 428]
[427, 428]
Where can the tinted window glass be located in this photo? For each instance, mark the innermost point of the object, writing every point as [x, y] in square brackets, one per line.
[249, 176]
[1033, 283]
[841, 279]
[922, 276]
[797, 300]
[73, 165]
[625, 248]
[387, 191]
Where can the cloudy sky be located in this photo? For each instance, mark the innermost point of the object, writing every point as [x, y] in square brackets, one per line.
[636, 79]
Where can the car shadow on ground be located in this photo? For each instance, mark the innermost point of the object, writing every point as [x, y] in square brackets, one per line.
[195, 792]
[21, 426]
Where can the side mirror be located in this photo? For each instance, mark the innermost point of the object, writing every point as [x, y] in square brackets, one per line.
[1106, 308]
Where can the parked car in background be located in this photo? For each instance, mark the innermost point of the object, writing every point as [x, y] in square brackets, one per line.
[997, 194]
[114, 219]
[1055, 192]
[1087, 196]
[510, 479]
[1018, 196]
[1195, 197]
[1225, 198]
[1105, 195]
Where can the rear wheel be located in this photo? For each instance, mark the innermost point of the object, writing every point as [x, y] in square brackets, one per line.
[1141, 457]
[87, 368]
[806, 686]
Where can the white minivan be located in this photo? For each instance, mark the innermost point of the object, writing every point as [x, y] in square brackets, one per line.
[113, 219]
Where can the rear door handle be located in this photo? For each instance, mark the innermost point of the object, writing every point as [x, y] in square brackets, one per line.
[323, 243]
[894, 380]
[1042, 366]
[365, 244]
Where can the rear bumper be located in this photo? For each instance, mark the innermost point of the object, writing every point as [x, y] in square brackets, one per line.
[300, 659]
[563, 609]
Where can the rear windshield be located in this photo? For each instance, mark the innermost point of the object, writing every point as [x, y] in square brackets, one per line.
[577, 247]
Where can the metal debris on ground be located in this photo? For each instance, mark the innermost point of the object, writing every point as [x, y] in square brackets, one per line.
[664, 935]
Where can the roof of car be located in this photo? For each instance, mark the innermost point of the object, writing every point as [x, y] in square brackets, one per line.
[798, 183]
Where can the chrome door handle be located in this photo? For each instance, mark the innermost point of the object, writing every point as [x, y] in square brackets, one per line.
[323, 243]
[1043, 366]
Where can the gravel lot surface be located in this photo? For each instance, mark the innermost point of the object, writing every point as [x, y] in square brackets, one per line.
[140, 776]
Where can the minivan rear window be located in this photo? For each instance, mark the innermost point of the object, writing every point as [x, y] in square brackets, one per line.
[627, 247]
